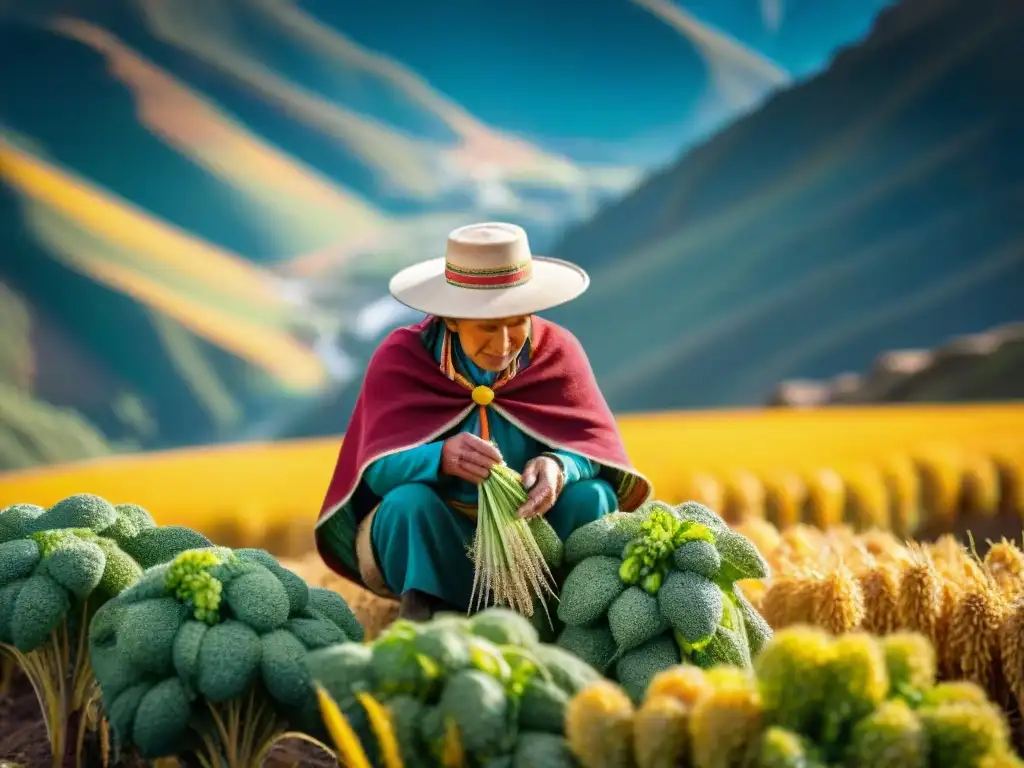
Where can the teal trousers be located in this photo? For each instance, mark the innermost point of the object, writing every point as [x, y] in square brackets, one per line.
[422, 543]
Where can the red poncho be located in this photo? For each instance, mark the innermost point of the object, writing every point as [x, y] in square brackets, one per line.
[406, 401]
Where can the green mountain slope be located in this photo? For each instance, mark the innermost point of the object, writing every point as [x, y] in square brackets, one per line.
[874, 207]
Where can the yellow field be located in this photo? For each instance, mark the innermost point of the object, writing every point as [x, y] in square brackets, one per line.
[256, 491]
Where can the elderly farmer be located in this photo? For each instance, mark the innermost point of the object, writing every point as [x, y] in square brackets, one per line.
[481, 380]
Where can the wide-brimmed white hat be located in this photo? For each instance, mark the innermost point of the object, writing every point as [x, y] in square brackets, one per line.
[488, 272]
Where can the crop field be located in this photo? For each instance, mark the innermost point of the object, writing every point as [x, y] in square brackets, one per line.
[803, 593]
[873, 465]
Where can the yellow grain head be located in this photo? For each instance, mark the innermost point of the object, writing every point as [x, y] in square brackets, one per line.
[726, 722]
[1009, 463]
[684, 682]
[949, 662]
[940, 471]
[775, 601]
[744, 495]
[867, 498]
[785, 496]
[1011, 650]
[789, 600]
[764, 535]
[979, 492]
[838, 605]
[599, 726]
[920, 594]
[1005, 562]
[973, 637]
[904, 485]
[826, 498]
[661, 733]
[884, 547]
[880, 587]
[704, 488]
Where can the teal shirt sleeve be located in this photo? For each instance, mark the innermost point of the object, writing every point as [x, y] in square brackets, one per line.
[576, 467]
[416, 465]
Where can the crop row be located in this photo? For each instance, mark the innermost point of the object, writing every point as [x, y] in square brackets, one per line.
[151, 641]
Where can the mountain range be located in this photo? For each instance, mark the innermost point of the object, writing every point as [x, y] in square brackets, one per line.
[869, 208]
[201, 198]
[873, 207]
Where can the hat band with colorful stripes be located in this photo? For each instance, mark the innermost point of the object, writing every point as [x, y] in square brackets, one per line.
[499, 277]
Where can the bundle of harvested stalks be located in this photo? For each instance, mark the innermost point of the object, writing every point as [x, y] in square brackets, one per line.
[509, 567]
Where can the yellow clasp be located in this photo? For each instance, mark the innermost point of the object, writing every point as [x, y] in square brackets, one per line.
[483, 395]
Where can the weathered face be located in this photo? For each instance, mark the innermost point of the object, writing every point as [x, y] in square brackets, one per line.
[492, 344]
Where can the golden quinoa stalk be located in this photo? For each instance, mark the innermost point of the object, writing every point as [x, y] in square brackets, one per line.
[920, 594]
[1011, 649]
[974, 637]
[788, 600]
[880, 587]
[838, 605]
[949, 662]
[1005, 562]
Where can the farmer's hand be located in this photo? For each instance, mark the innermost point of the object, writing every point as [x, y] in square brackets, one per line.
[543, 478]
[468, 457]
